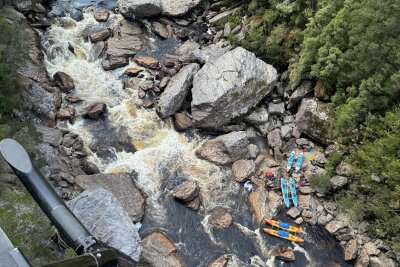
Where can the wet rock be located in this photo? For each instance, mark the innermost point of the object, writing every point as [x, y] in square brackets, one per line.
[304, 89]
[101, 15]
[122, 186]
[243, 170]
[187, 48]
[344, 169]
[64, 81]
[182, 122]
[324, 219]
[194, 204]
[258, 117]
[113, 63]
[139, 8]
[312, 120]
[264, 203]
[133, 71]
[220, 217]
[50, 135]
[100, 36]
[334, 226]
[293, 212]
[160, 30]
[177, 8]
[89, 167]
[225, 149]
[148, 62]
[186, 191]
[350, 252]
[170, 60]
[275, 139]
[102, 214]
[338, 182]
[219, 262]
[160, 251]
[208, 53]
[229, 86]
[129, 44]
[177, 90]
[285, 254]
[276, 109]
[147, 102]
[164, 82]
[66, 114]
[66, 8]
[96, 111]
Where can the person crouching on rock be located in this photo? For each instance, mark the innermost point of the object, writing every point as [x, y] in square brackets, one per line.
[117, 32]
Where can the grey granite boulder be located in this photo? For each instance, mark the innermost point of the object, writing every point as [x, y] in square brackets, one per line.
[229, 87]
[139, 8]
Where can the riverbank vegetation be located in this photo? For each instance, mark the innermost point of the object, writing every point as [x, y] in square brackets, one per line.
[350, 50]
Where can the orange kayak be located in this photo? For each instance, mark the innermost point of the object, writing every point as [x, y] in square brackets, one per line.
[285, 226]
[284, 235]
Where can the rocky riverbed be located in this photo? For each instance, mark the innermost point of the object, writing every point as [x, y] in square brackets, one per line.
[159, 128]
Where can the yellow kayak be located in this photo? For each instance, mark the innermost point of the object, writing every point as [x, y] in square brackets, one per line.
[285, 226]
[284, 235]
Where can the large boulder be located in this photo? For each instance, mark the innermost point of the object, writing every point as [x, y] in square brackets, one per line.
[64, 81]
[177, 90]
[129, 44]
[221, 261]
[100, 35]
[50, 135]
[122, 186]
[139, 8]
[220, 217]
[313, 120]
[243, 170]
[102, 214]
[160, 251]
[175, 8]
[208, 53]
[338, 182]
[225, 149]
[186, 191]
[229, 86]
[334, 226]
[264, 204]
[258, 116]
[285, 254]
[304, 89]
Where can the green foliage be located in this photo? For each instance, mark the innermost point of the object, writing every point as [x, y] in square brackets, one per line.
[352, 46]
[379, 155]
[25, 224]
[13, 53]
[320, 182]
[332, 161]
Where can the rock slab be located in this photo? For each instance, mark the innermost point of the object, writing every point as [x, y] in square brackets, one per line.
[102, 214]
[176, 91]
[122, 187]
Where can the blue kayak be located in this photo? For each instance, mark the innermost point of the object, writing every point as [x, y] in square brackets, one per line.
[293, 192]
[285, 192]
[290, 161]
[299, 162]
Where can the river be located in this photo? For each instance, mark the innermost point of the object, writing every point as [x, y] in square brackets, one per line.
[134, 139]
